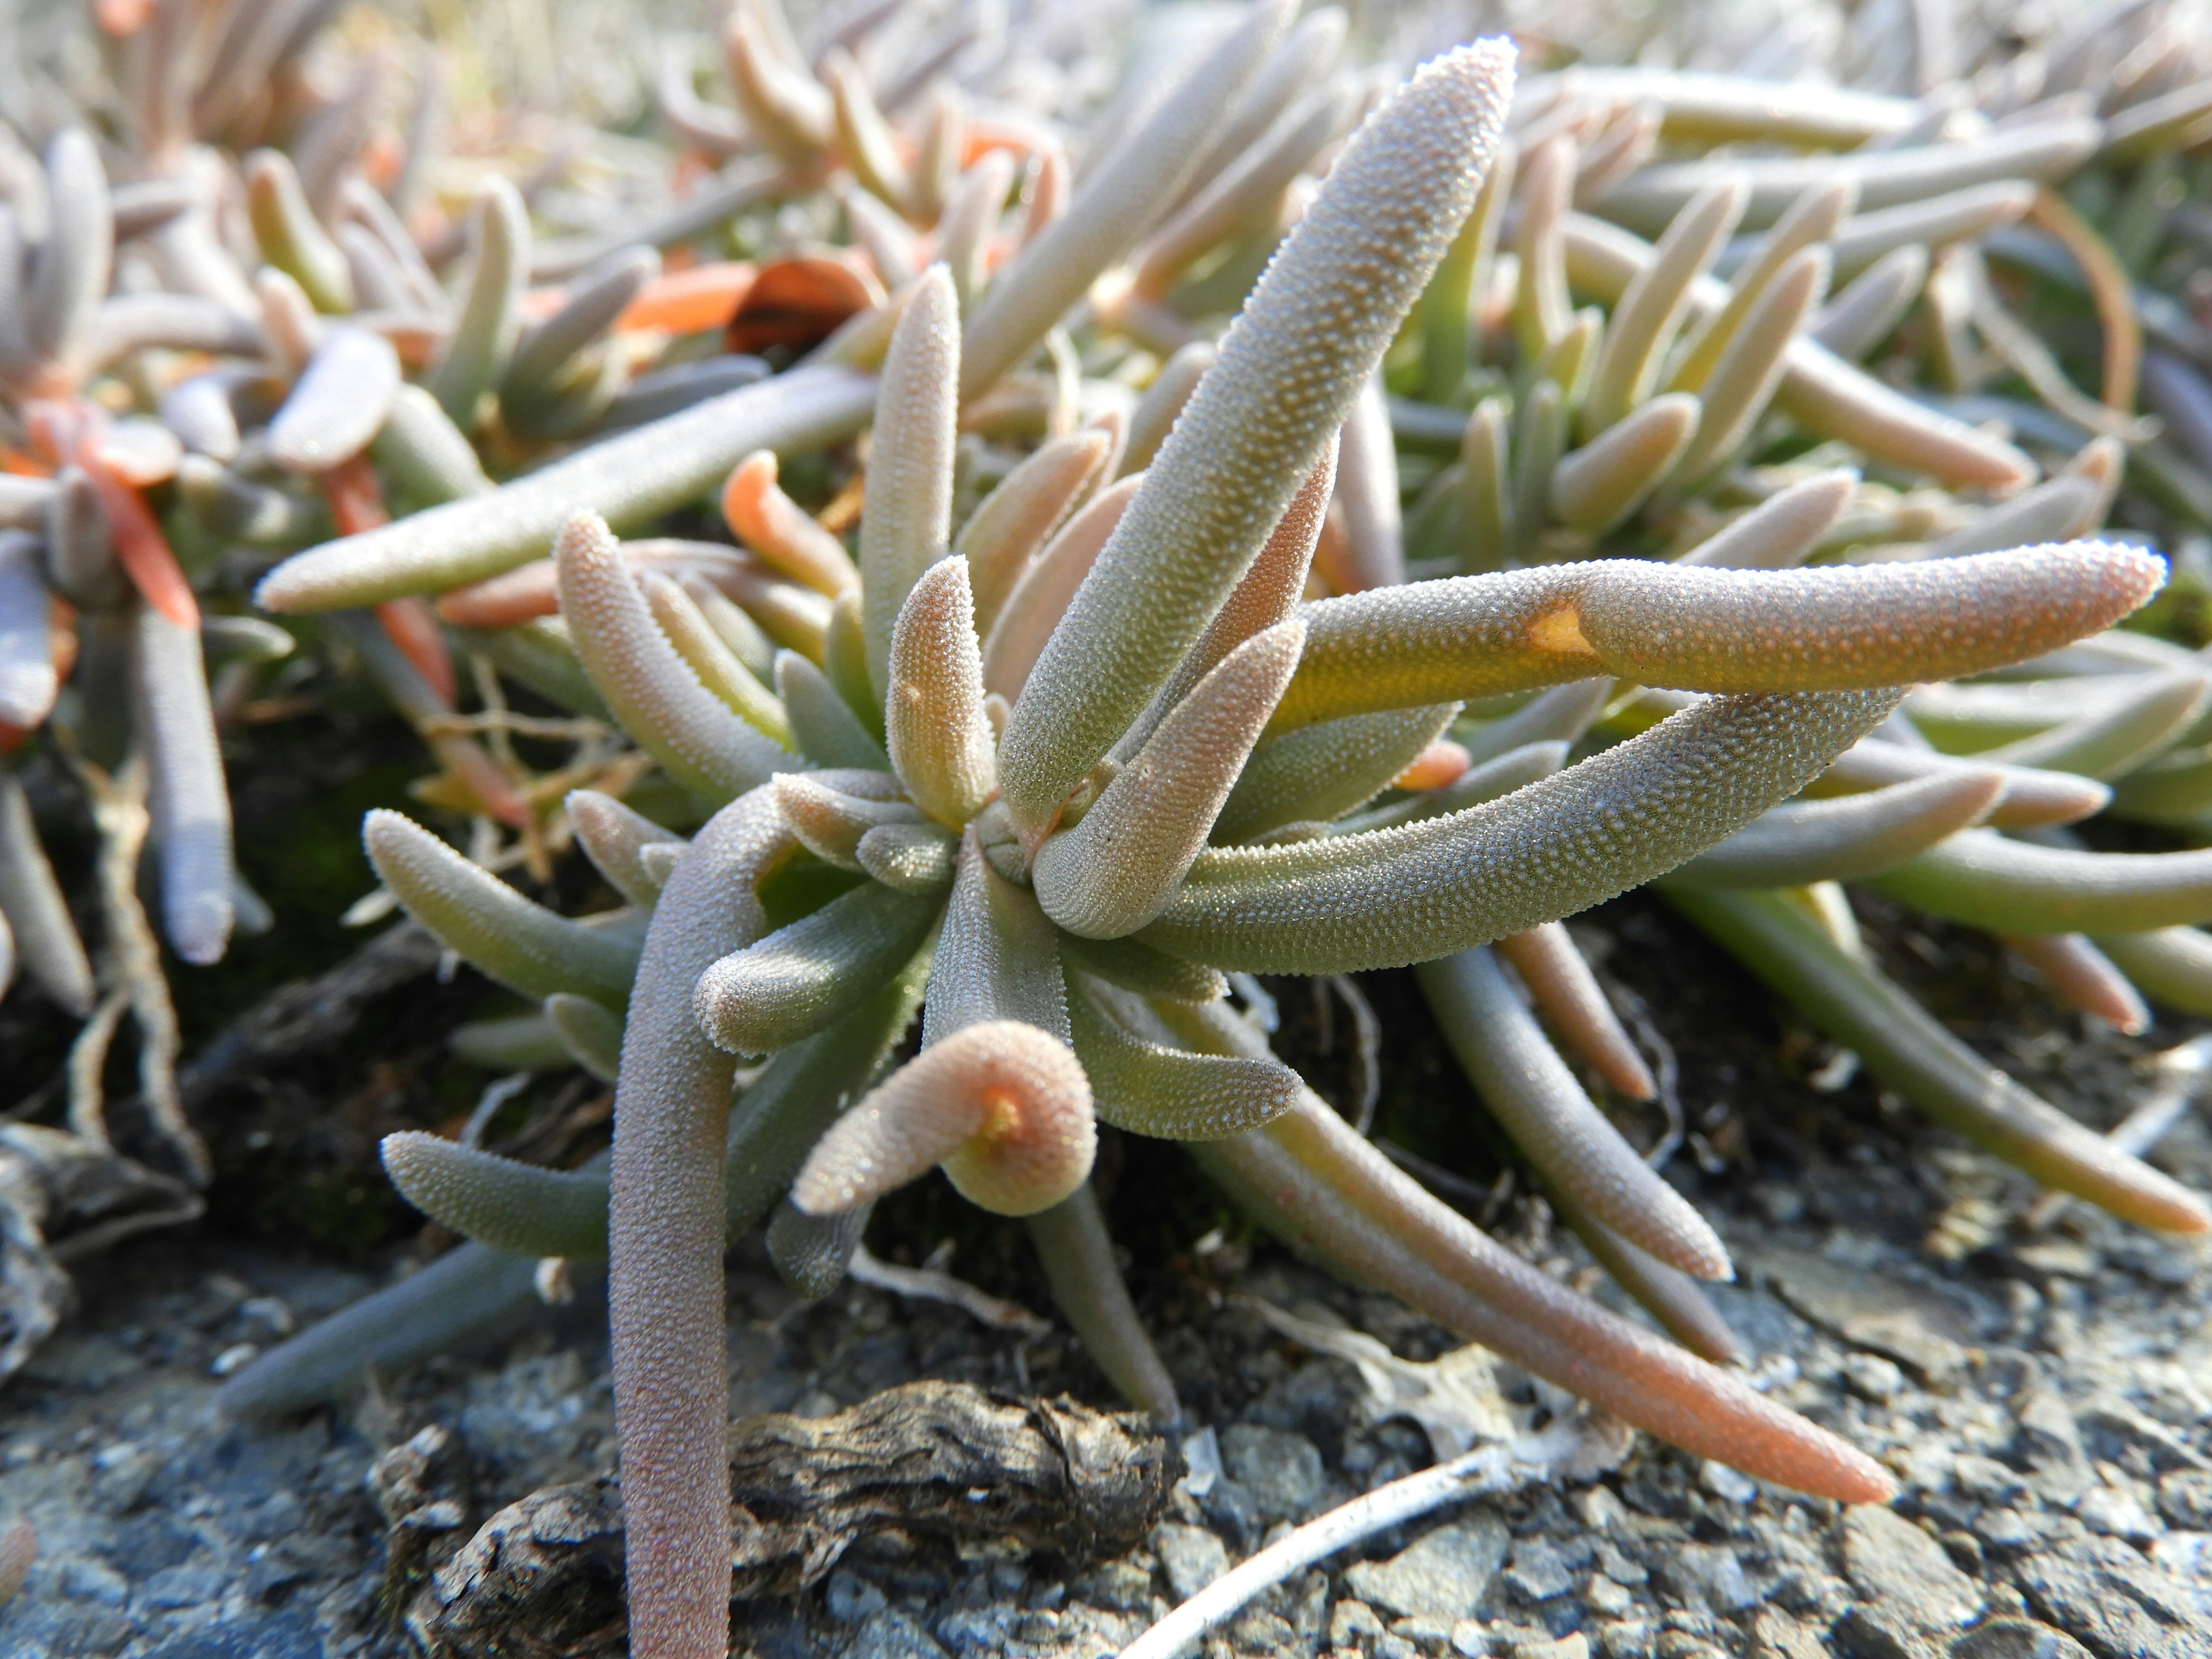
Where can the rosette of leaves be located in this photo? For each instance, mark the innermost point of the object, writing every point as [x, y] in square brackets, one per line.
[1050, 799]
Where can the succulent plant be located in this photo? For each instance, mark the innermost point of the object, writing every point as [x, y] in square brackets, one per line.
[1240, 556]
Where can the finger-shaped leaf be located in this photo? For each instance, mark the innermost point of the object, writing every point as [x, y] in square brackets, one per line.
[711, 662]
[1268, 595]
[997, 957]
[70, 275]
[2082, 976]
[1800, 842]
[1542, 312]
[830, 822]
[1461, 282]
[1781, 532]
[1821, 392]
[1983, 878]
[2030, 799]
[613, 836]
[781, 531]
[1139, 968]
[1566, 993]
[789, 112]
[823, 724]
[940, 740]
[2051, 148]
[1871, 305]
[1426, 889]
[339, 404]
[800, 978]
[1126, 191]
[1248, 187]
[1810, 221]
[590, 1034]
[1540, 438]
[289, 235]
[906, 516]
[1013, 521]
[423, 457]
[1005, 1108]
[666, 1223]
[651, 691]
[490, 312]
[523, 945]
[864, 140]
[38, 915]
[810, 1252]
[1143, 1081]
[1530, 1091]
[1163, 402]
[545, 350]
[970, 218]
[2173, 965]
[1313, 1182]
[913, 858]
[2112, 742]
[1499, 775]
[1305, 344]
[1668, 1294]
[1751, 367]
[630, 479]
[1596, 487]
[1077, 1255]
[1646, 317]
[1119, 867]
[1956, 216]
[1321, 772]
[801, 1092]
[1714, 630]
[505, 1205]
[1032, 608]
[187, 794]
[1486, 488]
[28, 683]
[1910, 1051]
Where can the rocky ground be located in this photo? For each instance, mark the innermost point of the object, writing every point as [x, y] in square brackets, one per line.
[2039, 1379]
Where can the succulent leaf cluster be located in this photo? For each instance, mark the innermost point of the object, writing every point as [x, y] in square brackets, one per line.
[1313, 520]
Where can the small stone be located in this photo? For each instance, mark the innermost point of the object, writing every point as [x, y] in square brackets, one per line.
[1606, 1597]
[2105, 1595]
[1986, 1480]
[1722, 1481]
[1565, 1647]
[1617, 1566]
[977, 1630]
[2185, 1497]
[1281, 1470]
[1469, 1639]
[1626, 1638]
[2017, 1638]
[1441, 1576]
[1192, 1557]
[1893, 1562]
[1538, 1570]
[2187, 1555]
[234, 1359]
[187, 1586]
[1600, 1507]
[1872, 1377]
[2118, 1514]
[893, 1635]
[1387, 1646]
[86, 1579]
[1122, 1586]
[1708, 1573]
[2047, 1431]
[1422, 1633]
[1776, 1635]
[1880, 1632]
[1353, 1623]
[851, 1598]
[1258, 1632]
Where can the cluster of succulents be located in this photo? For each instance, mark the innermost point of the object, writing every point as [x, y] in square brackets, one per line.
[1289, 519]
